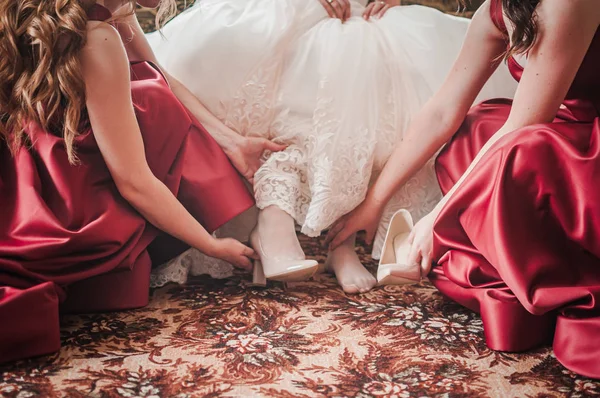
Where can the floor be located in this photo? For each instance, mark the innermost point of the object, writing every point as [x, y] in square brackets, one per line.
[222, 338]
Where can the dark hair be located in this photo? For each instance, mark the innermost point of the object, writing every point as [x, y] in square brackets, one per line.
[523, 18]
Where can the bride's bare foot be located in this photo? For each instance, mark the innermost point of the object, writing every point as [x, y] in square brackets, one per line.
[352, 276]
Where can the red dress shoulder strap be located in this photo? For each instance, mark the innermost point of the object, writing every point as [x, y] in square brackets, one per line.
[98, 13]
[497, 15]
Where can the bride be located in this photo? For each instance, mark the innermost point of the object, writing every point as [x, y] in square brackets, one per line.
[337, 82]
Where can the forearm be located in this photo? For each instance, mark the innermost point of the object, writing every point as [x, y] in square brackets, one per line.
[160, 207]
[431, 128]
[225, 137]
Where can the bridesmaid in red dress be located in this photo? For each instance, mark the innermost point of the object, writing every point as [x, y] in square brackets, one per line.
[104, 168]
[517, 235]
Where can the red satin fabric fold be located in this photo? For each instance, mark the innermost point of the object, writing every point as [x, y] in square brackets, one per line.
[520, 240]
[66, 235]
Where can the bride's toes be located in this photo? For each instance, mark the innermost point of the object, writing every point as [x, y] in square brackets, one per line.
[352, 276]
[369, 283]
[350, 289]
[360, 285]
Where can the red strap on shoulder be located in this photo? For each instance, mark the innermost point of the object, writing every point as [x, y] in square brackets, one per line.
[497, 15]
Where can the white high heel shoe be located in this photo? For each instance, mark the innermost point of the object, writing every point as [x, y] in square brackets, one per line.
[280, 268]
[393, 268]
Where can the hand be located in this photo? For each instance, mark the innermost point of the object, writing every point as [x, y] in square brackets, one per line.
[376, 9]
[340, 9]
[365, 217]
[233, 252]
[246, 154]
[421, 240]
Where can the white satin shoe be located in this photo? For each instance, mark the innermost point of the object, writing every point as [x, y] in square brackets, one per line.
[279, 268]
[393, 268]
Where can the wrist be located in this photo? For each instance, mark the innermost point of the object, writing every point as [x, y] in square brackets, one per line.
[376, 200]
[227, 139]
[210, 247]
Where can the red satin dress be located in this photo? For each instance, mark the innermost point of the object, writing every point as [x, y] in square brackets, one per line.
[519, 242]
[68, 239]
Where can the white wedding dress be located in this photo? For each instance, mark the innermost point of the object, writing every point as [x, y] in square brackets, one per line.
[339, 94]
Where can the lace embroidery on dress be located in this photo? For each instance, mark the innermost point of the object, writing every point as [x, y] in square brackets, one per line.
[317, 179]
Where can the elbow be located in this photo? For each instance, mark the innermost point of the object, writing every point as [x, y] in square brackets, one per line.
[134, 187]
[447, 120]
[129, 191]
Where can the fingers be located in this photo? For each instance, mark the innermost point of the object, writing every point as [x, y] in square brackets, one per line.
[425, 265]
[274, 147]
[328, 8]
[340, 237]
[374, 9]
[249, 175]
[334, 230]
[334, 9]
[347, 9]
[414, 255]
[248, 251]
[243, 262]
[382, 11]
[367, 11]
[339, 10]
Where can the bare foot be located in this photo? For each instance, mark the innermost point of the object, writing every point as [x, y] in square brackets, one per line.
[352, 276]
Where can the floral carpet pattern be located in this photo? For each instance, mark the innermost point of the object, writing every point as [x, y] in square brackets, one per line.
[224, 338]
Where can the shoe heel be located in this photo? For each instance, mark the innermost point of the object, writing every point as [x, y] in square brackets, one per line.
[258, 275]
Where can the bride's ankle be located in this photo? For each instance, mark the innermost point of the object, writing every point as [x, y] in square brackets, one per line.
[273, 216]
[277, 231]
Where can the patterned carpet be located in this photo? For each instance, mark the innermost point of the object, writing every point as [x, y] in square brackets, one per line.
[222, 338]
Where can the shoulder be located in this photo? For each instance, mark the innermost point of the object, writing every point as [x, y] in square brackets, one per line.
[562, 22]
[560, 13]
[484, 24]
[104, 59]
[102, 36]
[104, 62]
[103, 56]
[571, 6]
